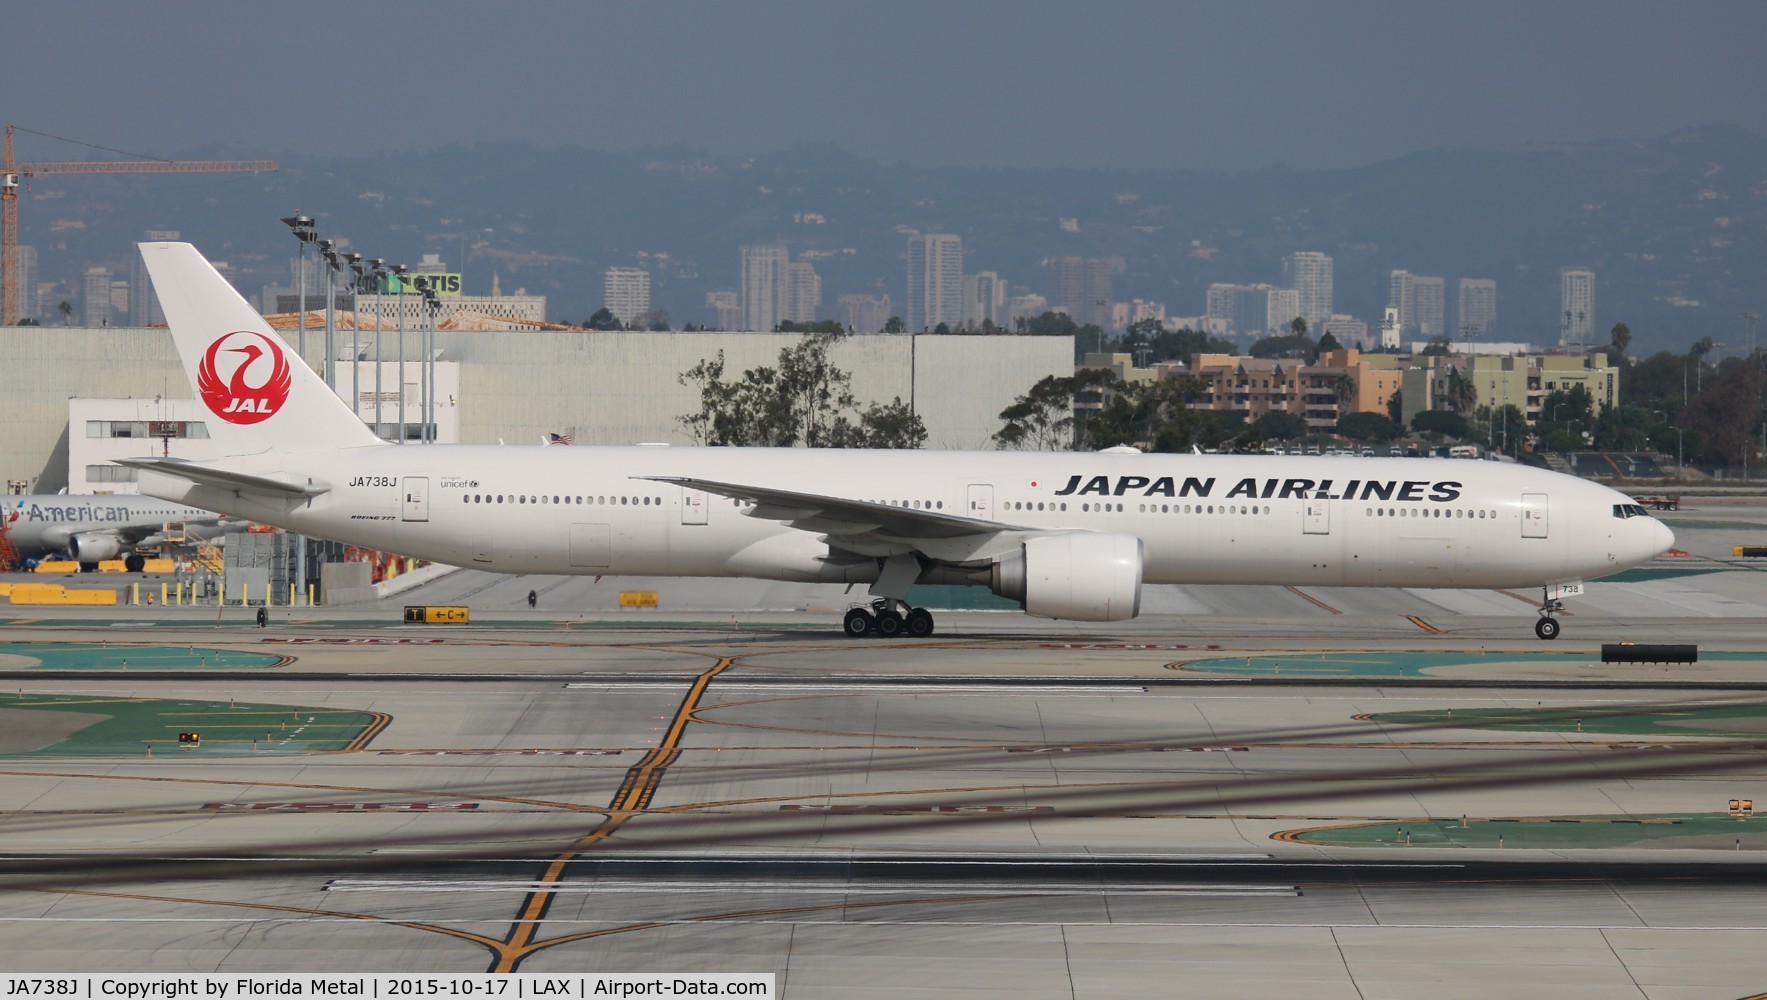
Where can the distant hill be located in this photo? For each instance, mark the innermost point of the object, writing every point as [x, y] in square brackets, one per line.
[1675, 227]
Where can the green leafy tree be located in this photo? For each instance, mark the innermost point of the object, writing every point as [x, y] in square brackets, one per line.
[604, 319]
[895, 325]
[881, 425]
[1050, 324]
[1329, 343]
[1440, 422]
[1461, 394]
[1367, 427]
[1043, 418]
[1623, 428]
[1294, 345]
[1438, 347]
[818, 326]
[1143, 414]
[1280, 425]
[1725, 414]
[1565, 416]
[804, 400]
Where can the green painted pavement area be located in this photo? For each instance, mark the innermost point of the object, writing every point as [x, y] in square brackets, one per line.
[1645, 574]
[104, 656]
[126, 727]
[1717, 831]
[1413, 663]
[1734, 721]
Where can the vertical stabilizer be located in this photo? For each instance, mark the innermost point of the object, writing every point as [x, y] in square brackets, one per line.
[260, 395]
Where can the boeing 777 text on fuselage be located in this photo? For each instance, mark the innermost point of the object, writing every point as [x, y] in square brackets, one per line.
[1067, 535]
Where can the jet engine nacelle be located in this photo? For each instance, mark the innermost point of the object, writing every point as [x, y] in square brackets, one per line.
[1078, 576]
[91, 547]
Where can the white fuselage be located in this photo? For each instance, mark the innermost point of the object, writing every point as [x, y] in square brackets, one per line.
[1335, 521]
[45, 524]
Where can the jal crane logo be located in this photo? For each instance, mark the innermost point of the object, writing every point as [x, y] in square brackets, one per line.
[243, 377]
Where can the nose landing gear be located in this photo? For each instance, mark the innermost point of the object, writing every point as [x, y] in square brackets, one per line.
[887, 620]
[1547, 626]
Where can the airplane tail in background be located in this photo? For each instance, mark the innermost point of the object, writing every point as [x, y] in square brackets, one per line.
[260, 395]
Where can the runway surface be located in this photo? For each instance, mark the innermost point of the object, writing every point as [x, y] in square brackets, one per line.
[1246, 792]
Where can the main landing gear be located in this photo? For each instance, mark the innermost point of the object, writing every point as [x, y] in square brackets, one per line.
[1547, 626]
[888, 620]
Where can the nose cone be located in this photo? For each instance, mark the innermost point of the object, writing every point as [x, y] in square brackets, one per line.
[1644, 540]
[1664, 538]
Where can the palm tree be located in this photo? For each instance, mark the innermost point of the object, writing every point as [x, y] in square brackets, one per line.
[67, 312]
[1461, 393]
[1621, 338]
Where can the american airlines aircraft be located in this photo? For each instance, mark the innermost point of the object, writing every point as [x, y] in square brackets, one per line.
[90, 529]
[1070, 536]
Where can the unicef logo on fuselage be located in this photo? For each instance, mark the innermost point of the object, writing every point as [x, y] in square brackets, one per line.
[243, 377]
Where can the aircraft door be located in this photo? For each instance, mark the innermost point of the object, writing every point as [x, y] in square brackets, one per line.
[590, 546]
[1316, 517]
[416, 490]
[1533, 515]
[981, 501]
[693, 506]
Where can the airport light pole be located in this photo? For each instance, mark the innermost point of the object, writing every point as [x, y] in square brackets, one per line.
[377, 271]
[432, 306]
[398, 273]
[328, 250]
[305, 232]
[421, 283]
[354, 260]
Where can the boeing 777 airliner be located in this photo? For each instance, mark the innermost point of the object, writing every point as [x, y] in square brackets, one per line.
[1071, 536]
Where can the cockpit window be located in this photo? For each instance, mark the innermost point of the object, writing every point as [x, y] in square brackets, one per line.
[1626, 510]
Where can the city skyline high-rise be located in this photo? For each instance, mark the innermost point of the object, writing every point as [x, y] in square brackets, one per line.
[935, 281]
[1576, 306]
[800, 294]
[863, 313]
[725, 306]
[1476, 307]
[27, 283]
[984, 299]
[1083, 288]
[626, 294]
[1421, 303]
[1310, 273]
[763, 275]
[95, 292]
[1430, 298]
[144, 302]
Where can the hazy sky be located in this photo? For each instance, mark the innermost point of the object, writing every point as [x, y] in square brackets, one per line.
[1209, 86]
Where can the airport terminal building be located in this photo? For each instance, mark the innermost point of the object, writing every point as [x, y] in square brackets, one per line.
[511, 386]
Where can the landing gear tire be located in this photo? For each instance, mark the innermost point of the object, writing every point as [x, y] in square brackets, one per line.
[135, 564]
[890, 624]
[920, 623]
[1546, 628]
[858, 623]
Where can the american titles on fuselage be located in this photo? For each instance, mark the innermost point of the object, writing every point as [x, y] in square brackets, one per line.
[1263, 489]
[78, 512]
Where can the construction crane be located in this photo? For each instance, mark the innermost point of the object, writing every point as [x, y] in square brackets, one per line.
[12, 174]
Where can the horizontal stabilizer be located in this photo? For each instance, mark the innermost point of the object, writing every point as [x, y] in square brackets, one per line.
[238, 482]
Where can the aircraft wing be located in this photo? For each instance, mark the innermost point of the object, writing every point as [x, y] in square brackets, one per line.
[237, 482]
[849, 521]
